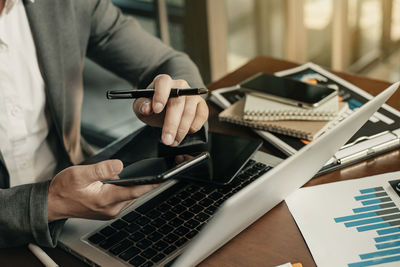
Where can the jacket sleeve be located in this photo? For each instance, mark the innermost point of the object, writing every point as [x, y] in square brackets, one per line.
[118, 43]
[23, 216]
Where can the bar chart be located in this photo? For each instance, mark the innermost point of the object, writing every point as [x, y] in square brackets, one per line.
[376, 213]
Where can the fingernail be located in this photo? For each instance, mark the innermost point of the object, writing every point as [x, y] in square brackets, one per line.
[144, 107]
[176, 143]
[158, 107]
[168, 139]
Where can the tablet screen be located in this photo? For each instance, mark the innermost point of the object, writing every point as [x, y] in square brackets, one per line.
[228, 156]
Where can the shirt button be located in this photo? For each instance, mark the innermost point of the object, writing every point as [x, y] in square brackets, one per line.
[3, 47]
[15, 111]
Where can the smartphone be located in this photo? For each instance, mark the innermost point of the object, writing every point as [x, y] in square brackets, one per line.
[288, 91]
[157, 170]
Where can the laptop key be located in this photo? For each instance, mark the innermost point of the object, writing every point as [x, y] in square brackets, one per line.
[154, 236]
[180, 231]
[169, 250]
[191, 234]
[196, 209]
[160, 245]
[148, 229]
[147, 264]
[136, 236]
[186, 215]
[96, 238]
[188, 202]
[210, 210]
[206, 202]
[178, 209]
[198, 196]
[202, 217]
[130, 253]
[131, 216]
[181, 242]
[164, 207]
[191, 224]
[112, 240]
[171, 238]
[131, 228]
[192, 188]
[107, 231]
[148, 253]
[168, 215]
[158, 222]
[158, 257]
[142, 220]
[153, 214]
[173, 201]
[207, 189]
[166, 229]
[144, 243]
[137, 261]
[117, 249]
[176, 222]
[119, 224]
[215, 195]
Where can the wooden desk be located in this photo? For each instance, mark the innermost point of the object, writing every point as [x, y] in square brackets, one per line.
[274, 239]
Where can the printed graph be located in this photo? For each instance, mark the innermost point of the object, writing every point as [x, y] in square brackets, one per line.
[376, 212]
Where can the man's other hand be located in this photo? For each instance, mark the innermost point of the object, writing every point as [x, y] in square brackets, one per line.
[177, 116]
[77, 192]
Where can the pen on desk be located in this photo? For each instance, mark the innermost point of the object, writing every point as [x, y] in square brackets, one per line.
[42, 256]
[175, 92]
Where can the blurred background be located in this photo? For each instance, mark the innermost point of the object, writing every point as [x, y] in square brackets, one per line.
[356, 36]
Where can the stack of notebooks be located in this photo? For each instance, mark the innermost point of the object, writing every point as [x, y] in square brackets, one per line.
[263, 114]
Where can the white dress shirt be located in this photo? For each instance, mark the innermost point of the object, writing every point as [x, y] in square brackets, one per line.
[23, 124]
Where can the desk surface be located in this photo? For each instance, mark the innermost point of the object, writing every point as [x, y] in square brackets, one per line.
[274, 239]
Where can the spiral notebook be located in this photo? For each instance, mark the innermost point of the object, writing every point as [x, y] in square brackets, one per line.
[308, 130]
[257, 108]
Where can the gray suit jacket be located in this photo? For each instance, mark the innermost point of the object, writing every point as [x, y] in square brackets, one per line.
[65, 32]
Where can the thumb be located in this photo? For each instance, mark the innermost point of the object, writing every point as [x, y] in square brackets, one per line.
[103, 170]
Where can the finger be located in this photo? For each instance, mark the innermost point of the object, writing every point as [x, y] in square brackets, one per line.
[188, 116]
[123, 193]
[172, 120]
[142, 107]
[162, 87]
[200, 118]
[100, 171]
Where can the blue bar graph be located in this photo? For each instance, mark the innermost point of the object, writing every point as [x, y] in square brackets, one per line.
[368, 196]
[371, 190]
[387, 238]
[375, 262]
[381, 253]
[373, 227]
[388, 245]
[355, 217]
[388, 231]
[373, 207]
[377, 213]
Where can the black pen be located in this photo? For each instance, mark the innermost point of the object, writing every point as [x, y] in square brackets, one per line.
[175, 92]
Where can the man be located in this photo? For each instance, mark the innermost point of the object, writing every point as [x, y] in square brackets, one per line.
[43, 44]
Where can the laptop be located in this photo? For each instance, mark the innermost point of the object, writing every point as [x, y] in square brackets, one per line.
[182, 223]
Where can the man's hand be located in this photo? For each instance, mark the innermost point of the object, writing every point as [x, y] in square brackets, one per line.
[78, 192]
[177, 116]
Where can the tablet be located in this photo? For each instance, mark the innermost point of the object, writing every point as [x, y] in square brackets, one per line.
[224, 157]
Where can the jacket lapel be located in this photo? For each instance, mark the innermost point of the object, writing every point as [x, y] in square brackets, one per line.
[49, 55]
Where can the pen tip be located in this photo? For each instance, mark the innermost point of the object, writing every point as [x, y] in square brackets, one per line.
[203, 91]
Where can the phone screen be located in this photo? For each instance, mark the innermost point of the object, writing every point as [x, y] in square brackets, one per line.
[279, 88]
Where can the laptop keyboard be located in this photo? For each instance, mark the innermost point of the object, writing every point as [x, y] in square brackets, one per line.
[165, 223]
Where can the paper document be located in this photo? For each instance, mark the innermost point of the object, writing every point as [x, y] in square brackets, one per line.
[351, 223]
